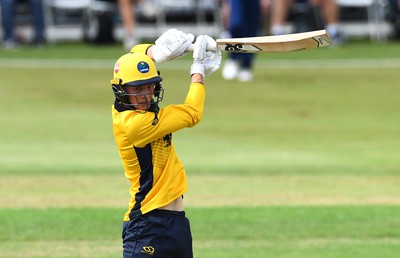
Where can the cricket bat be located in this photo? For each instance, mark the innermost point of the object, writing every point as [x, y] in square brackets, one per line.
[281, 43]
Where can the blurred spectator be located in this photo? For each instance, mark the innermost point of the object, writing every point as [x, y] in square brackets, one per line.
[330, 14]
[225, 13]
[8, 22]
[242, 19]
[128, 17]
[394, 17]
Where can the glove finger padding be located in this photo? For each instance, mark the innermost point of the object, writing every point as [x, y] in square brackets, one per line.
[171, 44]
[200, 47]
[209, 61]
[213, 62]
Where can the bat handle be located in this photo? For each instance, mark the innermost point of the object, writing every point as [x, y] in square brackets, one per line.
[209, 48]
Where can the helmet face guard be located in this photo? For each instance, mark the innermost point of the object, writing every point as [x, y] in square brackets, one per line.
[123, 97]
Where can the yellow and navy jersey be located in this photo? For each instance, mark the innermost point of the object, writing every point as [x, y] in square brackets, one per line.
[147, 152]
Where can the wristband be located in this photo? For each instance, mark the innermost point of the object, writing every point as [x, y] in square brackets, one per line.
[198, 68]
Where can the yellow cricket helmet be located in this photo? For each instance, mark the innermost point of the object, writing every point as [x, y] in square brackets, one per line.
[135, 69]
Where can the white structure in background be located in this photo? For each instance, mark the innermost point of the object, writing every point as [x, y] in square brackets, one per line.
[378, 29]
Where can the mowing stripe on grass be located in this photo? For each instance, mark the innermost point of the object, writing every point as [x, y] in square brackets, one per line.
[46, 191]
[183, 64]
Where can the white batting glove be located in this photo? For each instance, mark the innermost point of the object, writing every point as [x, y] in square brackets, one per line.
[205, 62]
[171, 44]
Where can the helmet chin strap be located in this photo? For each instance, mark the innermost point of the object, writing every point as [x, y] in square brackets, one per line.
[154, 108]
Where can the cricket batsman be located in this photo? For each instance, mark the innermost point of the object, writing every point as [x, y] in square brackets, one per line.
[155, 224]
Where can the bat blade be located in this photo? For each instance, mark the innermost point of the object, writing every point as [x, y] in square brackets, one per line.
[281, 43]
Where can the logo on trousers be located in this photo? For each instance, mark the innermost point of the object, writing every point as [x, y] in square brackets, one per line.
[148, 250]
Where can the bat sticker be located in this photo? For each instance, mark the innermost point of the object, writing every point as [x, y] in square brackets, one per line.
[241, 48]
[321, 41]
[236, 47]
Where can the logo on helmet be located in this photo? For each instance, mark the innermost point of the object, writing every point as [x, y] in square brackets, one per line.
[143, 67]
[116, 68]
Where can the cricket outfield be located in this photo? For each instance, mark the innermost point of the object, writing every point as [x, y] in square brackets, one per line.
[300, 163]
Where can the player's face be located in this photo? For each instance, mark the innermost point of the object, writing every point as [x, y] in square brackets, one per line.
[141, 96]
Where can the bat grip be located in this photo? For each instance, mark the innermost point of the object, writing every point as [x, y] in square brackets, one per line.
[209, 48]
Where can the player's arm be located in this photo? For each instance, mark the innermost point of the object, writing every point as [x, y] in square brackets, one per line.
[170, 118]
[175, 117]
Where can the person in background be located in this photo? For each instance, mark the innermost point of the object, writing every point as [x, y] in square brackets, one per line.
[243, 19]
[225, 13]
[128, 17]
[330, 14]
[394, 17]
[8, 22]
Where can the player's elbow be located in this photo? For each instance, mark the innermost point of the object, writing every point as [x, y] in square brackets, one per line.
[196, 115]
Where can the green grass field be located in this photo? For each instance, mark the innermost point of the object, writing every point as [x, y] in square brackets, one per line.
[303, 162]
